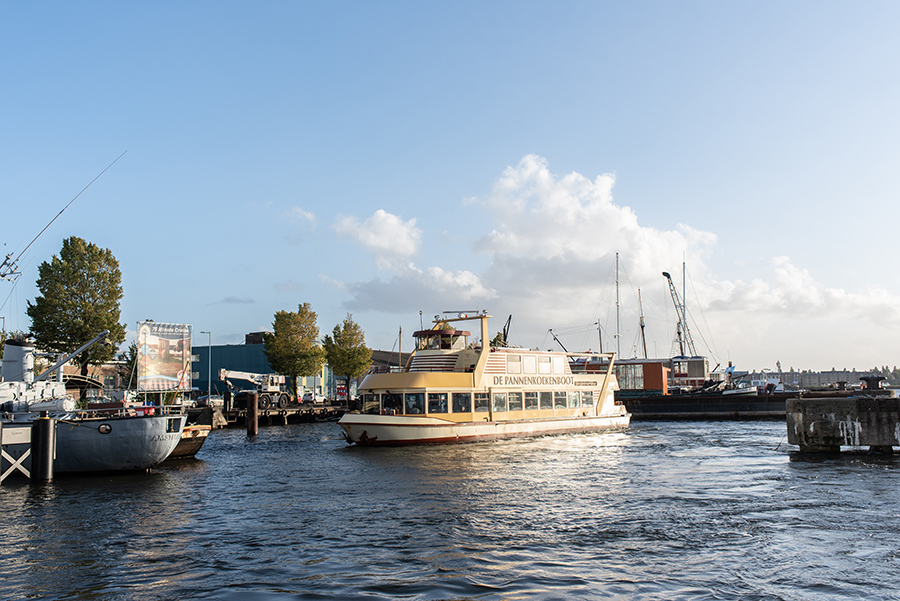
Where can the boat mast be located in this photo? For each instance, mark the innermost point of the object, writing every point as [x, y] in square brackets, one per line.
[618, 343]
[643, 337]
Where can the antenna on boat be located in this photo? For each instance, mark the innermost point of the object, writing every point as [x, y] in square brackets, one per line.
[8, 269]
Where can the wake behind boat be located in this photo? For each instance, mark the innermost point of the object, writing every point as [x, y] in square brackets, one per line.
[450, 392]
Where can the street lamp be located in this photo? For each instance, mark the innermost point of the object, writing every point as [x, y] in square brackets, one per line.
[208, 367]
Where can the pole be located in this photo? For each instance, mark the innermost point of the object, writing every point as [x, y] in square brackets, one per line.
[252, 415]
[208, 367]
[43, 448]
[618, 339]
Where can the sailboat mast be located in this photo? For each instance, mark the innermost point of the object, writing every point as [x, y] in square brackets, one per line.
[618, 344]
[643, 336]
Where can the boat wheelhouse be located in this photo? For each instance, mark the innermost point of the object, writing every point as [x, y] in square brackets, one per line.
[453, 391]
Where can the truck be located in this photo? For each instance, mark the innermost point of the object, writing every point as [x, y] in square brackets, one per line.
[270, 388]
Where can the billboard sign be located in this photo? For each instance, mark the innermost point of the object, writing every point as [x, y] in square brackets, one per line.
[164, 356]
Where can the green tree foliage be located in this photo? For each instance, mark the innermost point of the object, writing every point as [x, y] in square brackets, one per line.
[346, 350]
[12, 335]
[79, 297]
[291, 348]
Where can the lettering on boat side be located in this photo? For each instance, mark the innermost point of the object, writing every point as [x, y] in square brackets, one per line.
[161, 437]
[533, 380]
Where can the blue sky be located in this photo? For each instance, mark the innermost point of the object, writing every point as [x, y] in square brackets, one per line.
[386, 158]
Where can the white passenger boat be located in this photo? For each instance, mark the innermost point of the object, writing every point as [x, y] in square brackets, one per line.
[112, 440]
[450, 392]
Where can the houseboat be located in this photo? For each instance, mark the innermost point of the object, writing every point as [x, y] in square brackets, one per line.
[452, 391]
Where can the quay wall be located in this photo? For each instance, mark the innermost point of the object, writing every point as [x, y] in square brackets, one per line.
[827, 424]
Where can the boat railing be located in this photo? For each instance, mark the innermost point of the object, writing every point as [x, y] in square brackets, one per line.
[127, 411]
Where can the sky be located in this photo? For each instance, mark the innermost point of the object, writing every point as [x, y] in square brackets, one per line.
[545, 161]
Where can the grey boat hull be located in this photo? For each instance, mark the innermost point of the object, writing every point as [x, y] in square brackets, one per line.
[114, 444]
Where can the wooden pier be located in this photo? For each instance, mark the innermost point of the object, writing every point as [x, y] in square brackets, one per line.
[237, 418]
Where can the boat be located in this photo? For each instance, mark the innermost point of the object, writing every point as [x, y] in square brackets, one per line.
[192, 438]
[121, 439]
[451, 392]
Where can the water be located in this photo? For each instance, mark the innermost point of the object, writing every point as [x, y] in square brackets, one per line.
[694, 510]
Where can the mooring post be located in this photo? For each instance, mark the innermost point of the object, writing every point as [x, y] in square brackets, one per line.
[43, 448]
[252, 415]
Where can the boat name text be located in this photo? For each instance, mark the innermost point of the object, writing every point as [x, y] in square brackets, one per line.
[162, 437]
[533, 380]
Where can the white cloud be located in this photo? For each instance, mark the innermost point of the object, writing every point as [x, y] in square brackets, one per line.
[302, 216]
[392, 241]
[551, 244]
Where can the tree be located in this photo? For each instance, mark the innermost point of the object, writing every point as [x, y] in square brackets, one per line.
[80, 293]
[347, 352]
[291, 348]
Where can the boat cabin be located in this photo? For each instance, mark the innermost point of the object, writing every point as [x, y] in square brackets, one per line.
[448, 339]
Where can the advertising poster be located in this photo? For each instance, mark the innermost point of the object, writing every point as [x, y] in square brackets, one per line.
[164, 356]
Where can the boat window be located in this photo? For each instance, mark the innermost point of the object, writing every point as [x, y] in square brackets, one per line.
[515, 401]
[392, 403]
[462, 402]
[630, 376]
[437, 402]
[546, 400]
[529, 364]
[531, 400]
[482, 401]
[499, 401]
[415, 403]
[574, 398]
[559, 365]
[370, 403]
[587, 398]
[543, 365]
[559, 399]
[514, 364]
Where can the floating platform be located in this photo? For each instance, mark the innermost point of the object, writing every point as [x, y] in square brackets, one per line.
[827, 424]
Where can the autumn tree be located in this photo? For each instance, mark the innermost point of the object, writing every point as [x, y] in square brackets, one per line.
[347, 352]
[80, 291]
[292, 348]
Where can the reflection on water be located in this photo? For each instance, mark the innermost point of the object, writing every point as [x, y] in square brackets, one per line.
[661, 511]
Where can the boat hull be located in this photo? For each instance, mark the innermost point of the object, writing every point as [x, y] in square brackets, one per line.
[192, 439]
[384, 430]
[706, 406]
[125, 444]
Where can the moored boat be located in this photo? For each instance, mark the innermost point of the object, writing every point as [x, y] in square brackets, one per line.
[450, 391]
[100, 440]
[192, 438]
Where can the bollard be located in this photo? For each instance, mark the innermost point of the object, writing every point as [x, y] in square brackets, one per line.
[252, 415]
[43, 448]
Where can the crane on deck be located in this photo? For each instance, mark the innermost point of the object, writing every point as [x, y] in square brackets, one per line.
[682, 333]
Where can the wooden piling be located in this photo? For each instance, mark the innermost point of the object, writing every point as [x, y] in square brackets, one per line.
[252, 415]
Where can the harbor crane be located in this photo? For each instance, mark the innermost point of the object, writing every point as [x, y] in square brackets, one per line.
[682, 333]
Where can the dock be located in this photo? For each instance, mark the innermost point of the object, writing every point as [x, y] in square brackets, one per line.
[219, 417]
